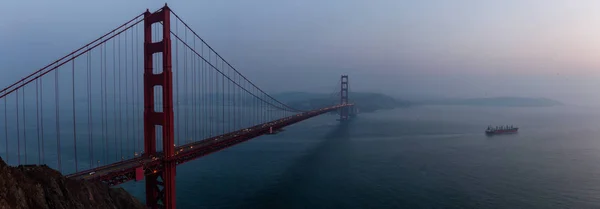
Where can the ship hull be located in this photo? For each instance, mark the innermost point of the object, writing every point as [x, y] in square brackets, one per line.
[507, 131]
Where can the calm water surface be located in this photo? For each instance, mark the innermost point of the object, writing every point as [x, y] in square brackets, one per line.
[423, 157]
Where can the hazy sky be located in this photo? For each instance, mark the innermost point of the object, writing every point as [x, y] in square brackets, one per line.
[459, 48]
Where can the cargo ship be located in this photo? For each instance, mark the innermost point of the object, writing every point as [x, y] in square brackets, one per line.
[501, 130]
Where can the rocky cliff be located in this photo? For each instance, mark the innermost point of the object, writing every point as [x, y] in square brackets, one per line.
[41, 187]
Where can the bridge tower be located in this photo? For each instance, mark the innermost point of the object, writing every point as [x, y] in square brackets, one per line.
[344, 112]
[160, 187]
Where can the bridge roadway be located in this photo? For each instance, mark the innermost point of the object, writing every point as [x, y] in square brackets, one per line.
[127, 170]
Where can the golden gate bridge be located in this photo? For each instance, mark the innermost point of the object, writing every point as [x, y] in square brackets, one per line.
[136, 102]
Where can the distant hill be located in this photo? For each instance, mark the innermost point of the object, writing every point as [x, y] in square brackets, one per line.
[496, 101]
[366, 102]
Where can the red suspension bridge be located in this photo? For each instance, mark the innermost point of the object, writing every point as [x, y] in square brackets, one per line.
[135, 103]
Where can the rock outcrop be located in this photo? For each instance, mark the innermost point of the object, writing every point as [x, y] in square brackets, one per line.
[41, 187]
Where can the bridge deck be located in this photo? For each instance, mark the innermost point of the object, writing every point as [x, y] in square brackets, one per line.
[124, 171]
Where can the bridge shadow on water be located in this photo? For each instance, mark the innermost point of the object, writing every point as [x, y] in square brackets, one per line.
[294, 184]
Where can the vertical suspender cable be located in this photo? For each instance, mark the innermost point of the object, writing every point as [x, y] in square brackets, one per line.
[126, 97]
[74, 118]
[120, 135]
[187, 96]
[42, 119]
[87, 77]
[203, 95]
[194, 95]
[137, 90]
[90, 116]
[105, 108]
[37, 118]
[24, 125]
[6, 129]
[132, 95]
[223, 121]
[103, 135]
[210, 96]
[114, 132]
[18, 132]
[235, 125]
[57, 119]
